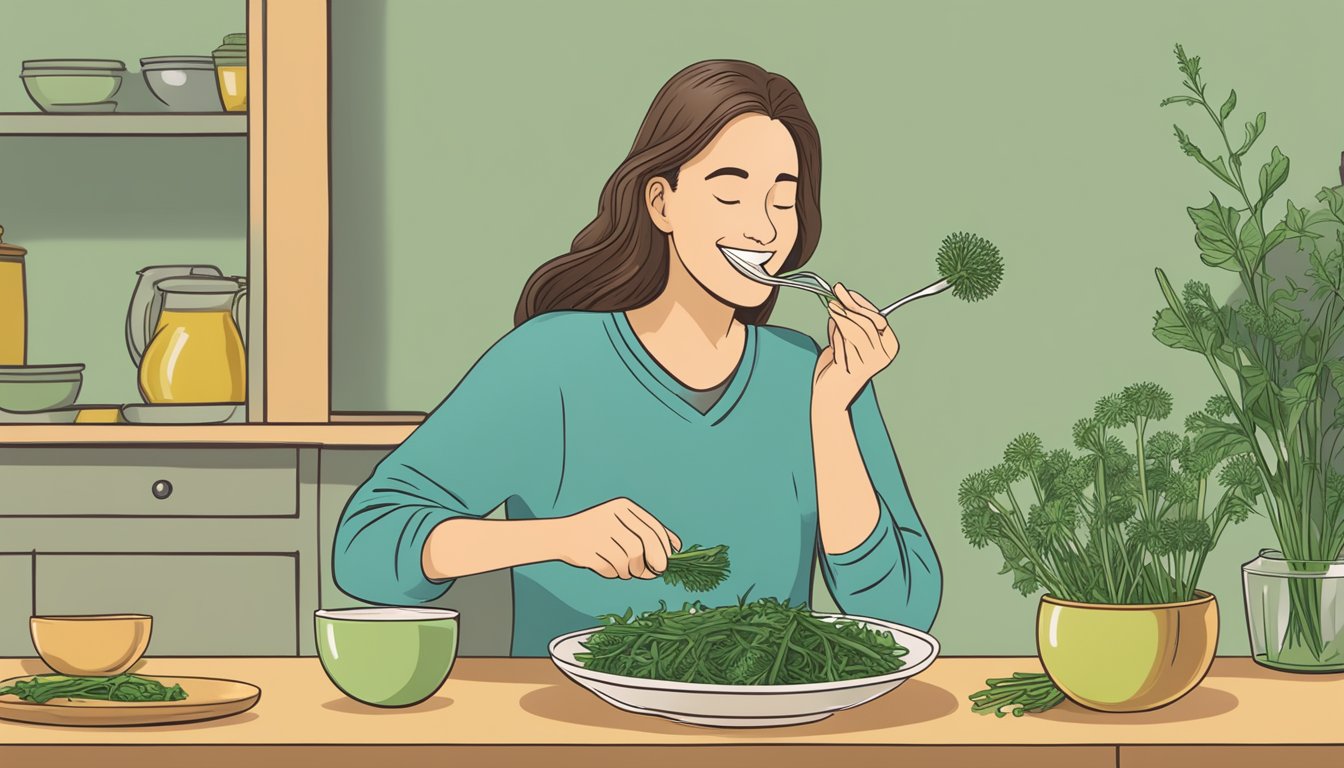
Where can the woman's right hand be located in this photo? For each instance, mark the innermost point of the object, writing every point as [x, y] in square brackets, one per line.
[616, 539]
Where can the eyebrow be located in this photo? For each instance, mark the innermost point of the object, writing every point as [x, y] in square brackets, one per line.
[731, 171]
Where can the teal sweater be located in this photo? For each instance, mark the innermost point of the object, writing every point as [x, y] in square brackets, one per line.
[568, 410]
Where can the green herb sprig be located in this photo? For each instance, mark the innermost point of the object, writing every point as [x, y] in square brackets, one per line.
[698, 569]
[1020, 694]
[44, 688]
[971, 264]
[968, 262]
[765, 642]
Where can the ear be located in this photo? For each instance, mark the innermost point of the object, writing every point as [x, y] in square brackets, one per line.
[655, 200]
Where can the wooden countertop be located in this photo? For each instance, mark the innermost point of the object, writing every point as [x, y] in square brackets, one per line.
[496, 711]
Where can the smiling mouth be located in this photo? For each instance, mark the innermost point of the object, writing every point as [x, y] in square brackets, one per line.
[740, 257]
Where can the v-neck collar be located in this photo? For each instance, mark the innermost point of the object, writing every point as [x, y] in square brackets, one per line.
[664, 385]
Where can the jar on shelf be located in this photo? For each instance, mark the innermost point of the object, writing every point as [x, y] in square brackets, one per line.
[13, 305]
[231, 72]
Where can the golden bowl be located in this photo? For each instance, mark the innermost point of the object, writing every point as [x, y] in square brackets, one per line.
[91, 646]
[1127, 658]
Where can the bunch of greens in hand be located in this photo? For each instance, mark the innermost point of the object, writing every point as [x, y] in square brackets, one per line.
[1276, 364]
[1129, 521]
[698, 569]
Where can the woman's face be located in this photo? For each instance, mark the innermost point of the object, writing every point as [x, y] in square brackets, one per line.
[737, 194]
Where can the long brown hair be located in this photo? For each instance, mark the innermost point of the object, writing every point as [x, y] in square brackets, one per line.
[620, 260]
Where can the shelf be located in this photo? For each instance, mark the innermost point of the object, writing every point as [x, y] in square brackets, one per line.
[361, 435]
[114, 124]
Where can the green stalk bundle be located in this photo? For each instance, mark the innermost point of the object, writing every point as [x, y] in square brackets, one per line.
[1275, 362]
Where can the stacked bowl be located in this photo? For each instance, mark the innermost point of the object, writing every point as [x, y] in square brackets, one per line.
[73, 85]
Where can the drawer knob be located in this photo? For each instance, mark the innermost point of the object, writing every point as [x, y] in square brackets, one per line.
[161, 489]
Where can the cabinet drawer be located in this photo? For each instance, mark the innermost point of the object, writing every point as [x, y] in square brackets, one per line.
[149, 482]
[203, 604]
[16, 605]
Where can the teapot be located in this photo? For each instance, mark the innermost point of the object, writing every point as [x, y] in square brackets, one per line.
[185, 331]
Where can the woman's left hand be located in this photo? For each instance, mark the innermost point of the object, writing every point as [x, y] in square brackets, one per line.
[862, 343]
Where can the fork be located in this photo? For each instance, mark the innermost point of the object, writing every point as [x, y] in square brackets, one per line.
[799, 278]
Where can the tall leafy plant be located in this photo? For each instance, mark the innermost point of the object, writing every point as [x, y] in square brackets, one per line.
[1272, 359]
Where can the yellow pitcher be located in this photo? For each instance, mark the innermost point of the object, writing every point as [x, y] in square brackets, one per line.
[195, 353]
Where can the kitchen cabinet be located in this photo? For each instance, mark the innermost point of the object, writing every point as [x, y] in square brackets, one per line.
[213, 529]
[43, 481]
[231, 567]
[259, 181]
[220, 603]
[16, 595]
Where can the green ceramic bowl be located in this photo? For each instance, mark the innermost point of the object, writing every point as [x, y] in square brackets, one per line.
[387, 657]
[34, 388]
[55, 90]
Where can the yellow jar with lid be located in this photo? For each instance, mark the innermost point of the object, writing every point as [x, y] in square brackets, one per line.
[231, 72]
[13, 305]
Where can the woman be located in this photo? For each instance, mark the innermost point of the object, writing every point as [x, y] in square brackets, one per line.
[641, 402]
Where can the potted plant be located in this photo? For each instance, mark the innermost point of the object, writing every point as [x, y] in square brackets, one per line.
[1275, 352]
[1117, 537]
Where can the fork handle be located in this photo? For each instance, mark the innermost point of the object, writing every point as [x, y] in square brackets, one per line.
[936, 288]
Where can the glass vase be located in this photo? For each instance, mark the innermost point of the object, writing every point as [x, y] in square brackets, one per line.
[1295, 612]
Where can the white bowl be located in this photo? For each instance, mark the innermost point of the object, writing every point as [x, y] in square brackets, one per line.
[745, 706]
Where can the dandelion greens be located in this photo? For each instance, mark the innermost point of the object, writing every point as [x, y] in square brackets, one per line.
[765, 642]
[698, 569]
[44, 688]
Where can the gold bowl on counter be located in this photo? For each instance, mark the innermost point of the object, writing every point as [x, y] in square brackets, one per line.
[95, 645]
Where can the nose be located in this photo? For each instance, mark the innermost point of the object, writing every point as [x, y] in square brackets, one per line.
[760, 229]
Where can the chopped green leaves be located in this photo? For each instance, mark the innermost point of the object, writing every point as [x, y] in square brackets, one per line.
[44, 688]
[765, 642]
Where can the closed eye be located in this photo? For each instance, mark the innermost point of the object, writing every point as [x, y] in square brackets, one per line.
[784, 207]
[726, 202]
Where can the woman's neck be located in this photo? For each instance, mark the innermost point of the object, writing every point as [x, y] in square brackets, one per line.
[689, 331]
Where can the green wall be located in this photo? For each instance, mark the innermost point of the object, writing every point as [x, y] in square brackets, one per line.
[470, 142]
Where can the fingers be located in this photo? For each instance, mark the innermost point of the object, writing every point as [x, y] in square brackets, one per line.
[857, 315]
[605, 567]
[837, 343]
[857, 301]
[650, 559]
[845, 322]
[659, 530]
[886, 339]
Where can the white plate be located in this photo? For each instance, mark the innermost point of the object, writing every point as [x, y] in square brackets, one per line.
[745, 706]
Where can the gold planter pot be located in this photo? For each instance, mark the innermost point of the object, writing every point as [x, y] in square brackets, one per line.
[1127, 658]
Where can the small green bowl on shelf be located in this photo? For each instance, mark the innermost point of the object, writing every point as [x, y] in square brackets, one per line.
[73, 85]
[37, 388]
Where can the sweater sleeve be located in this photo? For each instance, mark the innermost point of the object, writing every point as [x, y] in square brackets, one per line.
[495, 436]
[893, 574]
